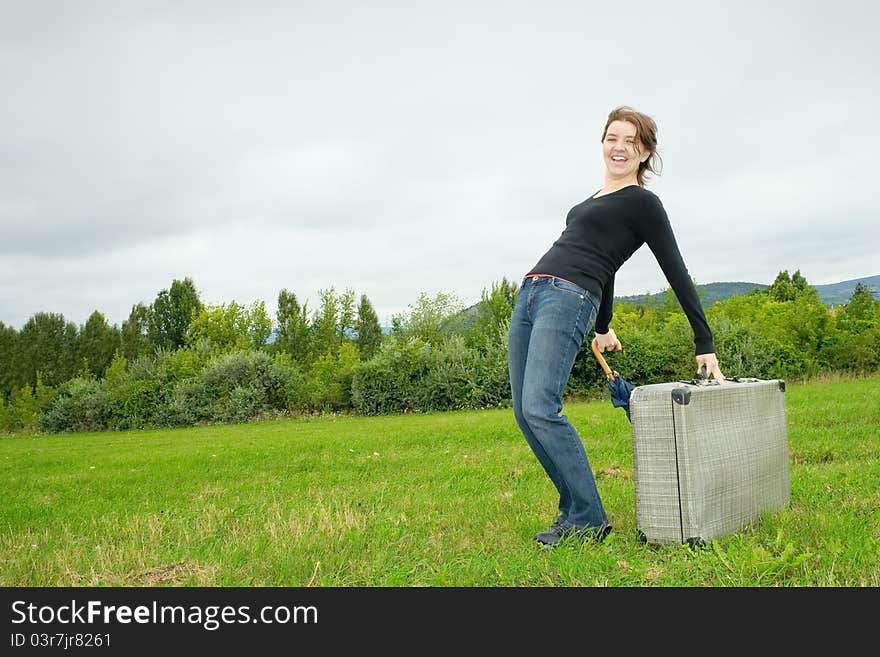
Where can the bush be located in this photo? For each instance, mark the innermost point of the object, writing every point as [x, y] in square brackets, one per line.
[295, 386]
[329, 384]
[744, 353]
[137, 391]
[234, 387]
[492, 374]
[413, 375]
[758, 335]
[189, 404]
[25, 407]
[448, 382]
[462, 378]
[387, 383]
[856, 353]
[177, 389]
[82, 405]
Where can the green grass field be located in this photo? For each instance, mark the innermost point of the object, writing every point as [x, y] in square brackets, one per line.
[447, 499]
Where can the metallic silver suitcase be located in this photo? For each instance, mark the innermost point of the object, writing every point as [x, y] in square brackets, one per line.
[709, 459]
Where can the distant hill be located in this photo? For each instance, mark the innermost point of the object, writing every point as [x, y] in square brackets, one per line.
[709, 293]
[837, 293]
[832, 294]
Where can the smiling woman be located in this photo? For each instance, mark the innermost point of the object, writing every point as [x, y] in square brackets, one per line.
[570, 291]
[630, 146]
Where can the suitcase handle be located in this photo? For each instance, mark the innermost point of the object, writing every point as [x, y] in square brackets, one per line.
[703, 381]
[611, 374]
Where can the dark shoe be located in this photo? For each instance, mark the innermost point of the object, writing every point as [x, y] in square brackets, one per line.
[552, 535]
[597, 534]
[557, 532]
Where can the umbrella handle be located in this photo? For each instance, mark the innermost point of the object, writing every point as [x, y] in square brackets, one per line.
[608, 371]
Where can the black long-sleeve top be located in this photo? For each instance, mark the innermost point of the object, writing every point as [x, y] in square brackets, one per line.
[602, 233]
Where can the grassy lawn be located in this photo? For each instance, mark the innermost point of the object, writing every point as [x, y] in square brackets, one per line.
[446, 499]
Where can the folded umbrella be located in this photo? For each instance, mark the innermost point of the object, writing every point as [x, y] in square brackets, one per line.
[619, 387]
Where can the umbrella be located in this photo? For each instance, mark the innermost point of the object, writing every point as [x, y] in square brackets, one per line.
[619, 387]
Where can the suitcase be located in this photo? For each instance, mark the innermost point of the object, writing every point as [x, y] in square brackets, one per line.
[708, 459]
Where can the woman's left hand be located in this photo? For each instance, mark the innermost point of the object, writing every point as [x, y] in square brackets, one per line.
[712, 369]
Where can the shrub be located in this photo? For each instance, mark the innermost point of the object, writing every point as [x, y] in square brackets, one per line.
[387, 382]
[328, 387]
[413, 375]
[234, 387]
[492, 374]
[25, 407]
[82, 405]
[189, 404]
[136, 391]
[449, 380]
[295, 386]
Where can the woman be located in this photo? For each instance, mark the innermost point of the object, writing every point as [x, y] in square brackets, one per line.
[569, 291]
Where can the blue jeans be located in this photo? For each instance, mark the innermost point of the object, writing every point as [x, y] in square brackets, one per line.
[549, 323]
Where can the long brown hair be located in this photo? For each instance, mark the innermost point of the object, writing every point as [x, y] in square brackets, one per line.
[646, 138]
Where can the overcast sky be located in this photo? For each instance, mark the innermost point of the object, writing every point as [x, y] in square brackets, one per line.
[400, 148]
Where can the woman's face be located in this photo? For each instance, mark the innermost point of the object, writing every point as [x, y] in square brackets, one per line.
[621, 150]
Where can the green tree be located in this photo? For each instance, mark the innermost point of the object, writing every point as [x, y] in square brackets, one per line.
[259, 325]
[232, 326]
[172, 313]
[427, 319]
[98, 341]
[135, 332]
[11, 377]
[788, 288]
[800, 283]
[858, 333]
[48, 346]
[493, 313]
[347, 327]
[293, 327]
[325, 336]
[861, 312]
[781, 289]
[369, 332]
[334, 321]
[21, 414]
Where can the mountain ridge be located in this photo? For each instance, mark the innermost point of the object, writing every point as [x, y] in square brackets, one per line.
[831, 294]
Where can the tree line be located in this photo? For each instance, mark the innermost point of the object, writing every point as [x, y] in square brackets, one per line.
[180, 362]
[55, 350]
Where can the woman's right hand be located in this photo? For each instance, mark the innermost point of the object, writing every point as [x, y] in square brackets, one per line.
[710, 362]
[608, 341]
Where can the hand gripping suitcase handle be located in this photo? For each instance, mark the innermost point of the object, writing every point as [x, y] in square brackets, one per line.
[703, 380]
[611, 374]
